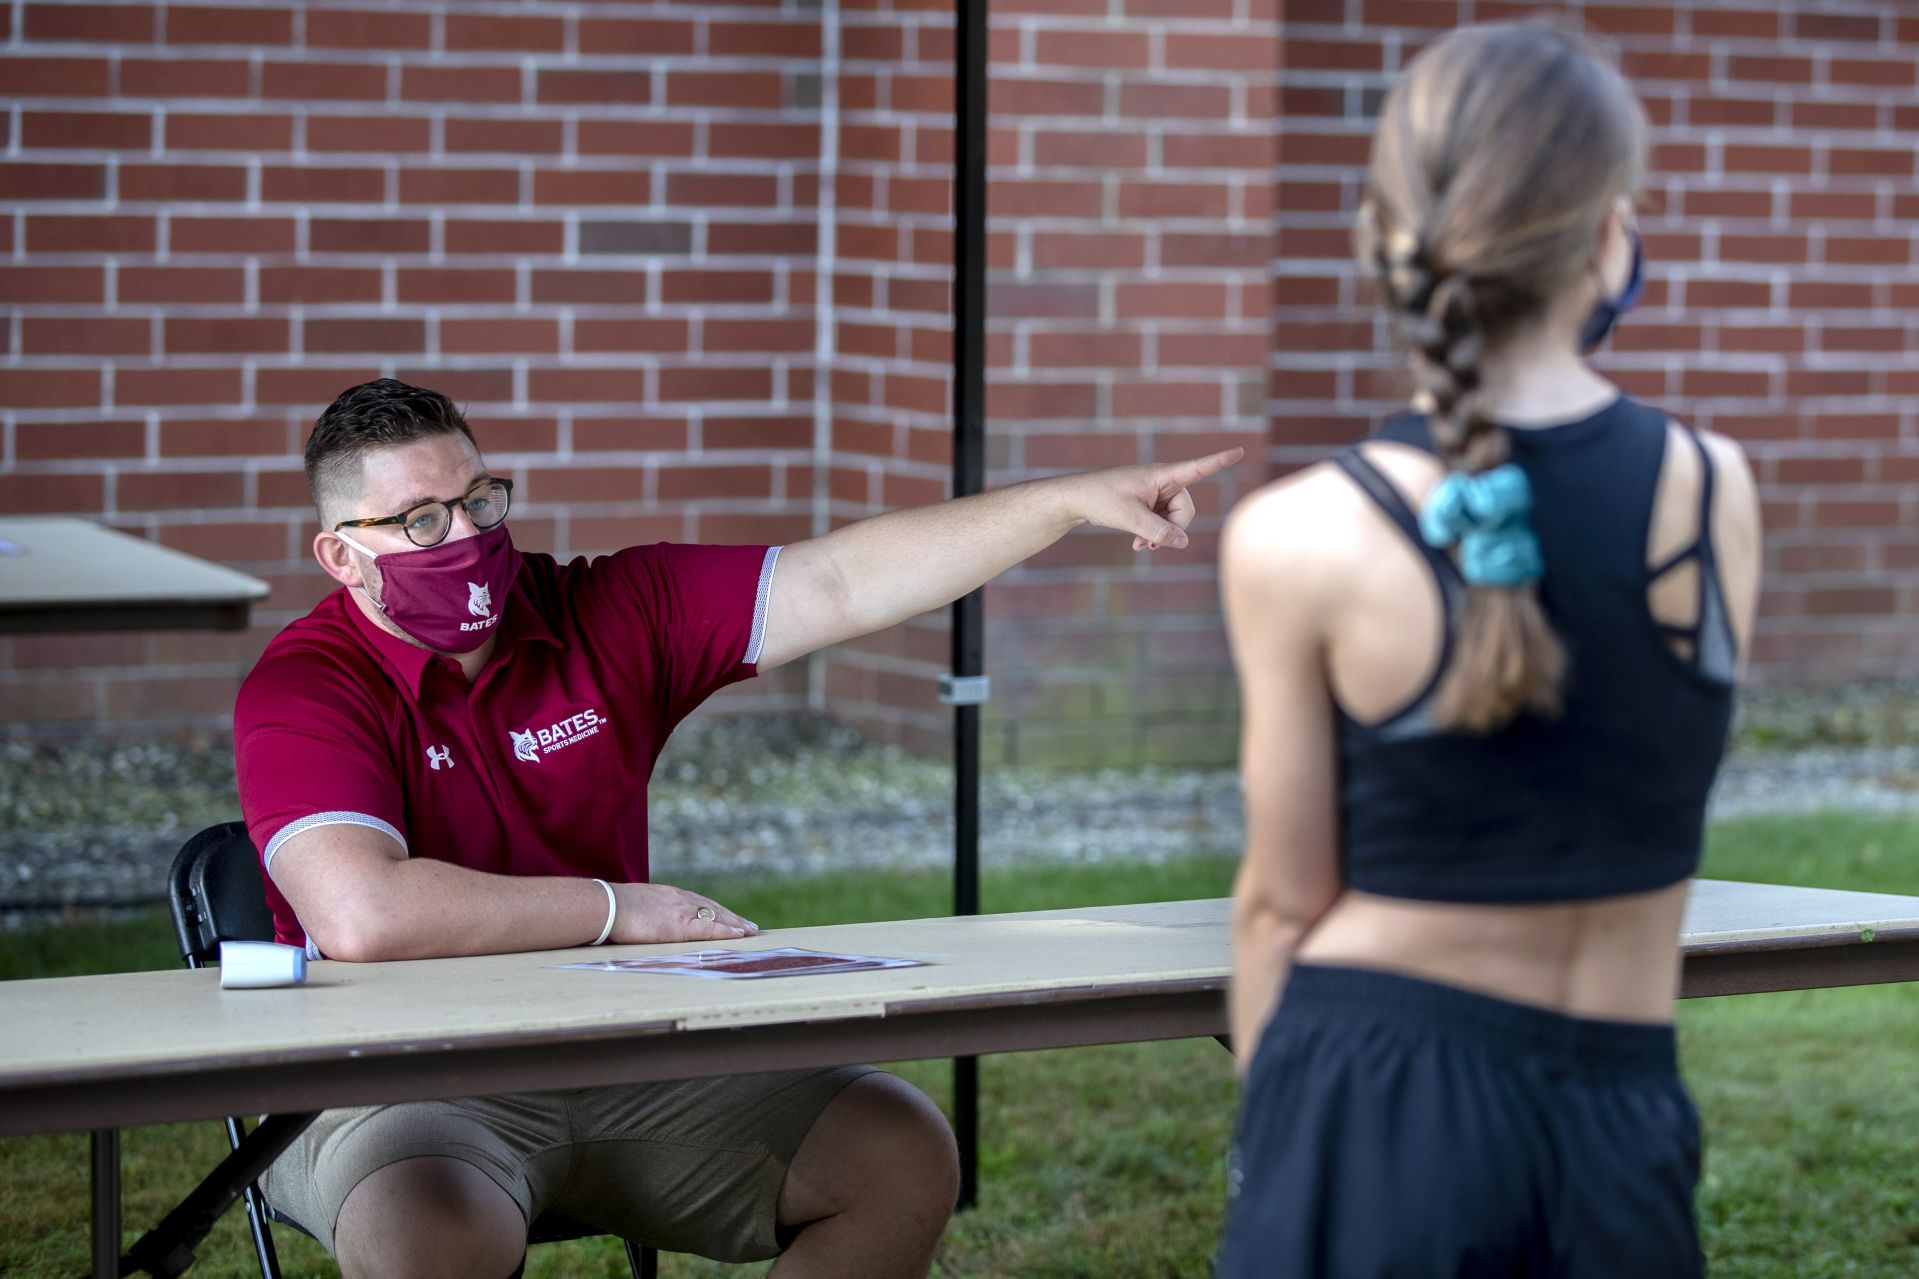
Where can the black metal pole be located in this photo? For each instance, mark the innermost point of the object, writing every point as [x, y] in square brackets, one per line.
[969, 474]
[106, 1203]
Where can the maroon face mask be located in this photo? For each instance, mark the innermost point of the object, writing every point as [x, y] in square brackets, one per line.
[448, 597]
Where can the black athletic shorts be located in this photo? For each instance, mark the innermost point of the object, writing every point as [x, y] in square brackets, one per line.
[1393, 1128]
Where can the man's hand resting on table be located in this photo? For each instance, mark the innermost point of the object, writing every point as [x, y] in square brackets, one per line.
[361, 898]
[661, 912]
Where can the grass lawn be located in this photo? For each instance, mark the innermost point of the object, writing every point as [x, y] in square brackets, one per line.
[1106, 1162]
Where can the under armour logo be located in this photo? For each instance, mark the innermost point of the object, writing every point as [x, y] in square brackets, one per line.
[439, 756]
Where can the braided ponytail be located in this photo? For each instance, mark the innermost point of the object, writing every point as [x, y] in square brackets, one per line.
[1506, 659]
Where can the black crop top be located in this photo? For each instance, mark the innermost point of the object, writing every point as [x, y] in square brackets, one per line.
[1610, 797]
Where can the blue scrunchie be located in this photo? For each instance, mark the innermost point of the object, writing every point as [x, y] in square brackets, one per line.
[1486, 514]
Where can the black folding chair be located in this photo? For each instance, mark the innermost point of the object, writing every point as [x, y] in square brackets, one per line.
[216, 894]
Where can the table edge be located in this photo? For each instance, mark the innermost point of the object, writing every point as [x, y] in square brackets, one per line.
[632, 1054]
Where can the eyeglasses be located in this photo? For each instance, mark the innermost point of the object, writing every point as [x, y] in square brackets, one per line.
[428, 523]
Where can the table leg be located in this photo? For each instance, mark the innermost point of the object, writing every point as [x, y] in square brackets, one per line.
[966, 1128]
[106, 1203]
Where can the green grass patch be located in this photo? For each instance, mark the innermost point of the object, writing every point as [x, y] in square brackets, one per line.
[1812, 1130]
[1824, 850]
[86, 947]
[1107, 1161]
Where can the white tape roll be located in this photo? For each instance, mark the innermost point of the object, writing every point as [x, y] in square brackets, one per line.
[246, 965]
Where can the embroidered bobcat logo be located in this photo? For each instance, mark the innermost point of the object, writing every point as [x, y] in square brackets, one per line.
[479, 599]
[525, 746]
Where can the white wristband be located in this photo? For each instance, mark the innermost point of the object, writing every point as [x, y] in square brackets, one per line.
[612, 912]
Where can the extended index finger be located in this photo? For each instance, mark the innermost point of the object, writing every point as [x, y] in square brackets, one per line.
[1199, 468]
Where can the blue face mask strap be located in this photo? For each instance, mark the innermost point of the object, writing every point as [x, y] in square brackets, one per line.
[1606, 312]
[1635, 278]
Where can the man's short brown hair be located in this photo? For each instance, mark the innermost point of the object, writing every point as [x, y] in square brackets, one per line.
[382, 414]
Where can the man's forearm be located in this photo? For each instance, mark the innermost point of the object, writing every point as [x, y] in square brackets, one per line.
[908, 562]
[871, 575]
[420, 908]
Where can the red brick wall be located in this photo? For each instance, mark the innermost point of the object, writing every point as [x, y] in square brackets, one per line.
[887, 322]
[1130, 208]
[600, 226]
[593, 225]
[1129, 247]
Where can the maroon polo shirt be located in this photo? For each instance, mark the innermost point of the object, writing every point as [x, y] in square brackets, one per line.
[540, 765]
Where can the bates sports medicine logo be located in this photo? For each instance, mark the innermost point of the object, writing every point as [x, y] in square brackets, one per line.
[479, 602]
[530, 745]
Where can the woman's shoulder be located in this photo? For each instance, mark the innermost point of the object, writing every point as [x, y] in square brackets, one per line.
[1312, 522]
[1727, 455]
[1719, 446]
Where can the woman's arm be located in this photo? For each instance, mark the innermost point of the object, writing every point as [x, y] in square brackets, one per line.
[1279, 584]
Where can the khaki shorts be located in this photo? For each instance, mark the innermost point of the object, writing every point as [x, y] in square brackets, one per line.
[688, 1166]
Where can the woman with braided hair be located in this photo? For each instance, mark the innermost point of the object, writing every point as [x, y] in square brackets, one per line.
[1486, 662]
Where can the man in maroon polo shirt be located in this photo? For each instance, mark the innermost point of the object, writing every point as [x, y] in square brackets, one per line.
[449, 756]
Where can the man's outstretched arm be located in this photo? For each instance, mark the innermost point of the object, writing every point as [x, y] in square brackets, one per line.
[871, 575]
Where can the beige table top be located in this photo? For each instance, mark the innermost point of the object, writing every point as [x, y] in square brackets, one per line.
[145, 1047]
[180, 1016]
[60, 567]
[1726, 915]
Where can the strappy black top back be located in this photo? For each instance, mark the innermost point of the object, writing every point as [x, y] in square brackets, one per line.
[1606, 799]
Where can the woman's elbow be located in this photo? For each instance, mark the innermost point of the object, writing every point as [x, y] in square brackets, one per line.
[1268, 923]
[1257, 930]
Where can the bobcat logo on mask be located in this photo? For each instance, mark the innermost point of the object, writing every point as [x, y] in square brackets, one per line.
[479, 599]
